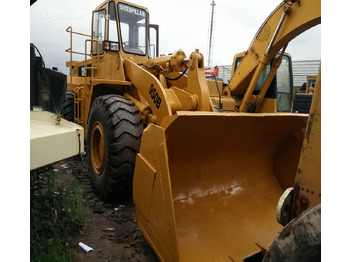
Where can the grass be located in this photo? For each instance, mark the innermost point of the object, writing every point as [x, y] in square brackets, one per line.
[55, 214]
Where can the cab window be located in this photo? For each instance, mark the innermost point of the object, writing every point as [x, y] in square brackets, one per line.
[98, 31]
[153, 48]
[312, 83]
[284, 86]
[112, 24]
[133, 29]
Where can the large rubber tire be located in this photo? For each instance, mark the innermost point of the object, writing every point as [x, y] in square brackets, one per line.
[300, 239]
[114, 135]
[67, 111]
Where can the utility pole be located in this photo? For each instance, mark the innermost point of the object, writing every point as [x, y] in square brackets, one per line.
[211, 29]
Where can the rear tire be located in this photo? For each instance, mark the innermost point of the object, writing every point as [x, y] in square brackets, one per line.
[67, 111]
[114, 135]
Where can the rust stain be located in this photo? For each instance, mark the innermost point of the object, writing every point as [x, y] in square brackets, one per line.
[309, 127]
[303, 203]
[256, 55]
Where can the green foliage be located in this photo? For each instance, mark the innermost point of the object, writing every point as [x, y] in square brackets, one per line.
[55, 214]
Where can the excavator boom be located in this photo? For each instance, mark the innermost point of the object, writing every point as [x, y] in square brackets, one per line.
[288, 20]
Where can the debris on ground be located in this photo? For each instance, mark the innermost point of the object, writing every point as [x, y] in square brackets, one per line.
[110, 228]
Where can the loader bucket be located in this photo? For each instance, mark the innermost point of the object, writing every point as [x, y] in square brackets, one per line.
[206, 185]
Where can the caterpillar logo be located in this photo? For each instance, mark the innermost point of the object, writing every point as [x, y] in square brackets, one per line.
[132, 10]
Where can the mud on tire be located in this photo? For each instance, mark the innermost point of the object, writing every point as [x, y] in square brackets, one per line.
[300, 239]
[114, 135]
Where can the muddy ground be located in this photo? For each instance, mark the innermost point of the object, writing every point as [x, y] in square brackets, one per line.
[111, 229]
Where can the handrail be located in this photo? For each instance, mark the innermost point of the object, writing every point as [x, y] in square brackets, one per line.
[77, 33]
[77, 94]
[98, 56]
[70, 49]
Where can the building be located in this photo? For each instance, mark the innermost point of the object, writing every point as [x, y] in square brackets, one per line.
[301, 70]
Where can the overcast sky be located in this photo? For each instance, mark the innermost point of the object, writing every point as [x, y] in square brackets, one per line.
[183, 25]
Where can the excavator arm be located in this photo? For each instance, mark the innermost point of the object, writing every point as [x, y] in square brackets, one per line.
[288, 20]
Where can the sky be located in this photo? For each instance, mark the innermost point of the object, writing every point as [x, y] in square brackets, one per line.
[183, 25]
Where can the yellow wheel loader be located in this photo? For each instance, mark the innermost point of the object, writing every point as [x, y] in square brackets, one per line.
[303, 97]
[207, 164]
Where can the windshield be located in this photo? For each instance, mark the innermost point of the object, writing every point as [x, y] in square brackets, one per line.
[98, 30]
[281, 86]
[133, 29]
[284, 86]
[312, 83]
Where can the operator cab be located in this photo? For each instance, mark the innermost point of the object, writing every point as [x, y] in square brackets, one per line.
[121, 27]
[281, 87]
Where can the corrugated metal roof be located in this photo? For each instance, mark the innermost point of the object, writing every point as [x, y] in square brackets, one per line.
[225, 73]
[303, 69]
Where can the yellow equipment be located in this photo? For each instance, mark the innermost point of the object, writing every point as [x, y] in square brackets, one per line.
[310, 84]
[278, 97]
[303, 97]
[205, 183]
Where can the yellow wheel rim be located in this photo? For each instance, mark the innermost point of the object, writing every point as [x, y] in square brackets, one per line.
[98, 148]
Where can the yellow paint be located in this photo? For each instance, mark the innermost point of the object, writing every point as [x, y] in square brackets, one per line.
[201, 195]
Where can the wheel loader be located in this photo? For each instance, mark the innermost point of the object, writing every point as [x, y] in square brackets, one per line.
[303, 97]
[206, 164]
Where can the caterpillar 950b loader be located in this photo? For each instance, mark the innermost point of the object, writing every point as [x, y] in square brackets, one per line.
[208, 163]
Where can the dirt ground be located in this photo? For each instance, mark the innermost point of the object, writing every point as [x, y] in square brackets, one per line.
[111, 229]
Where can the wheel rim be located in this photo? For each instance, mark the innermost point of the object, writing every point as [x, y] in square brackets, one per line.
[97, 148]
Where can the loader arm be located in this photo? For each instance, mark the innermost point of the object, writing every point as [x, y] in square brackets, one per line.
[151, 89]
[288, 20]
[167, 98]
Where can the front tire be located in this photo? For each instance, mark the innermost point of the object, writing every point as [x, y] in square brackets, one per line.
[300, 239]
[114, 136]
